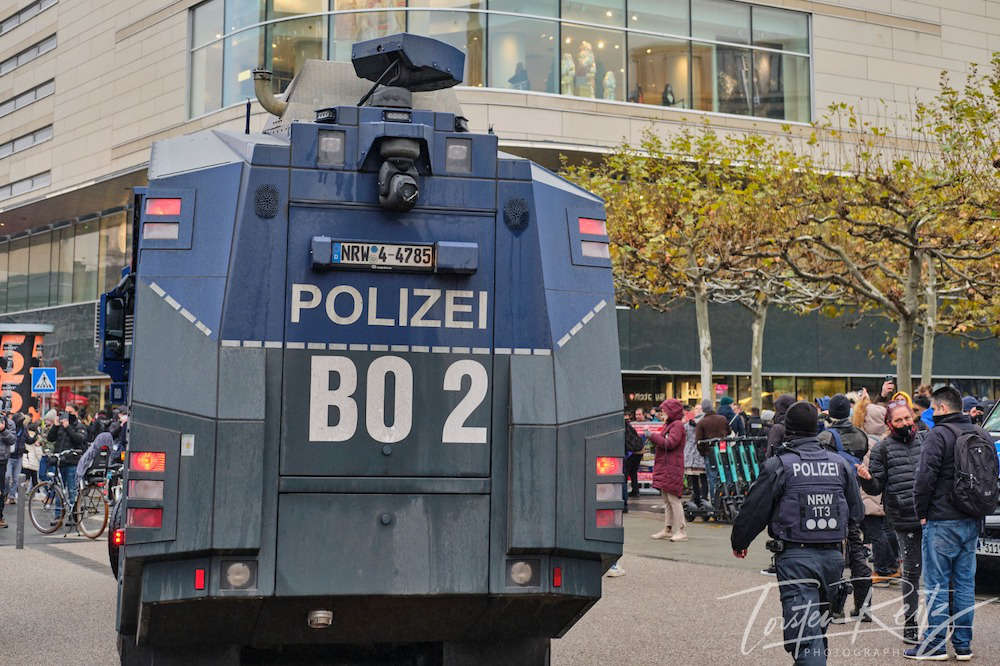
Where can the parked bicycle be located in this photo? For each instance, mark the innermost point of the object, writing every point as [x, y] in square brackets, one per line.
[48, 506]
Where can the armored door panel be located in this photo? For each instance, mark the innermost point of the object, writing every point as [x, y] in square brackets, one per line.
[382, 544]
[387, 365]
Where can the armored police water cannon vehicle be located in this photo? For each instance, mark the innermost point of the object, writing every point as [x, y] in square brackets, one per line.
[374, 385]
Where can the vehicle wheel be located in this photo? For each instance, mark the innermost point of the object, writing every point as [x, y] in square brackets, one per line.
[91, 512]
[115, 523]
[689, 516]
[46, 507]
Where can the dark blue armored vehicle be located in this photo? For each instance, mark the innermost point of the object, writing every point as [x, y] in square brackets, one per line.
[374, 385]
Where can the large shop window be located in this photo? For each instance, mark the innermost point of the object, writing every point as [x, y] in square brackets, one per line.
[112, 249]
[463, 30]
[358, 25]
[39, 265]
[524, 54]
[3, 275]
[670, 17]
[592, 63]
[17, 278]
[85, 261]
[62, 266]
[658, 71]
[603, 12]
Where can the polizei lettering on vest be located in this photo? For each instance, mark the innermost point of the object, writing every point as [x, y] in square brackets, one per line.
[814, 469]
[419, 308]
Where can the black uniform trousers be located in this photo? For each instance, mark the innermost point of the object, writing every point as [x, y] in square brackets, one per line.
[632, 460]
[857, 560]
[805, 578]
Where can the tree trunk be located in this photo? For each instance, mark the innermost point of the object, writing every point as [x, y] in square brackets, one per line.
[907, 323]
[704, 341]
[757, 353]
[930, 325]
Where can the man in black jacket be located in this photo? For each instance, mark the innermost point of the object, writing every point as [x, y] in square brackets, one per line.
[68, 434]
[949, 539]
[891, 471]
[776, 433]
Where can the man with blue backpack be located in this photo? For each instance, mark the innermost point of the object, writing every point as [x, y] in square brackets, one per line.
[954, 489]
[843, 438]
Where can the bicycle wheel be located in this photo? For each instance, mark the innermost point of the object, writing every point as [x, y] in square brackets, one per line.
[46, 507]
[91, 511]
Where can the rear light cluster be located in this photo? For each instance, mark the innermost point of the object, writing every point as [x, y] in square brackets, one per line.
[146, 490]
[594, 241]
[606, 466]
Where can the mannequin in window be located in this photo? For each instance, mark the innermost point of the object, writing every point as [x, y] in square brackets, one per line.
[520, 79]
[586, 70]
[610, 85]
[567, 73]
[668, 96]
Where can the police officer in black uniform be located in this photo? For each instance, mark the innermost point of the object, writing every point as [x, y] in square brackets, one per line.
[805, 496]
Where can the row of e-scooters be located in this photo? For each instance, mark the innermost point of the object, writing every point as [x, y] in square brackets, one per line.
[731, 465]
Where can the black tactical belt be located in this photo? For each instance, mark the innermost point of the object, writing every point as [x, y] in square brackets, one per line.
[790, 544]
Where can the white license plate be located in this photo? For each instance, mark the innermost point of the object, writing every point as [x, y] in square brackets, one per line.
[988, 547]
[383, 255]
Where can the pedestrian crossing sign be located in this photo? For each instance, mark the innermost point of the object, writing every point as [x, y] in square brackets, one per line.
[43, 381]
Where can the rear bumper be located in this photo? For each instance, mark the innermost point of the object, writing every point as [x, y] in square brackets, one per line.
[264, 622]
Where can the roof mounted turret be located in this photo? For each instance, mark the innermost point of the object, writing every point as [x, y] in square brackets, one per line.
[408, 63]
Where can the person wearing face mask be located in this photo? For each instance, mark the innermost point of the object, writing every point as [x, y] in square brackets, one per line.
[891, 471]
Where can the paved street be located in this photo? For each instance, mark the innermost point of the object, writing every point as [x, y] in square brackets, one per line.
[668, 608]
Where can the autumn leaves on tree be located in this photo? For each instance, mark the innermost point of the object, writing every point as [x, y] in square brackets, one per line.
[893, 216]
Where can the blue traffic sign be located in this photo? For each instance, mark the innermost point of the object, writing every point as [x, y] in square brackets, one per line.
[43, 381]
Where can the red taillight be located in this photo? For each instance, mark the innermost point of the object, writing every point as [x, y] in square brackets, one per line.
[609, 518]
[163, 206]
[118, 537]
[104, 448]
[592, 227]
[557, 577]
[199, 579]
[722, 447]
[608, 465]
[149, 461]
[144, 518]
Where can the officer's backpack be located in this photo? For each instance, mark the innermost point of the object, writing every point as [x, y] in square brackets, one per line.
[977, 470]
[633, 442]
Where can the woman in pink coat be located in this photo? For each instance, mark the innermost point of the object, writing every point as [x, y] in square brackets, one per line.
[668, 470]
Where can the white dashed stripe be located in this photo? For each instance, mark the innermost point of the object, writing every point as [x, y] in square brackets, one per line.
[580, 324]
[341, 346]
[159, 291]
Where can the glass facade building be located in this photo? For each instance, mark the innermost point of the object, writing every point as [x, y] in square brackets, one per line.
[65, 263]
[718, 56]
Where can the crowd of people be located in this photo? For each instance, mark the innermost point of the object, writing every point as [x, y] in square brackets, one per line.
[27, 446]
[897, 463]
